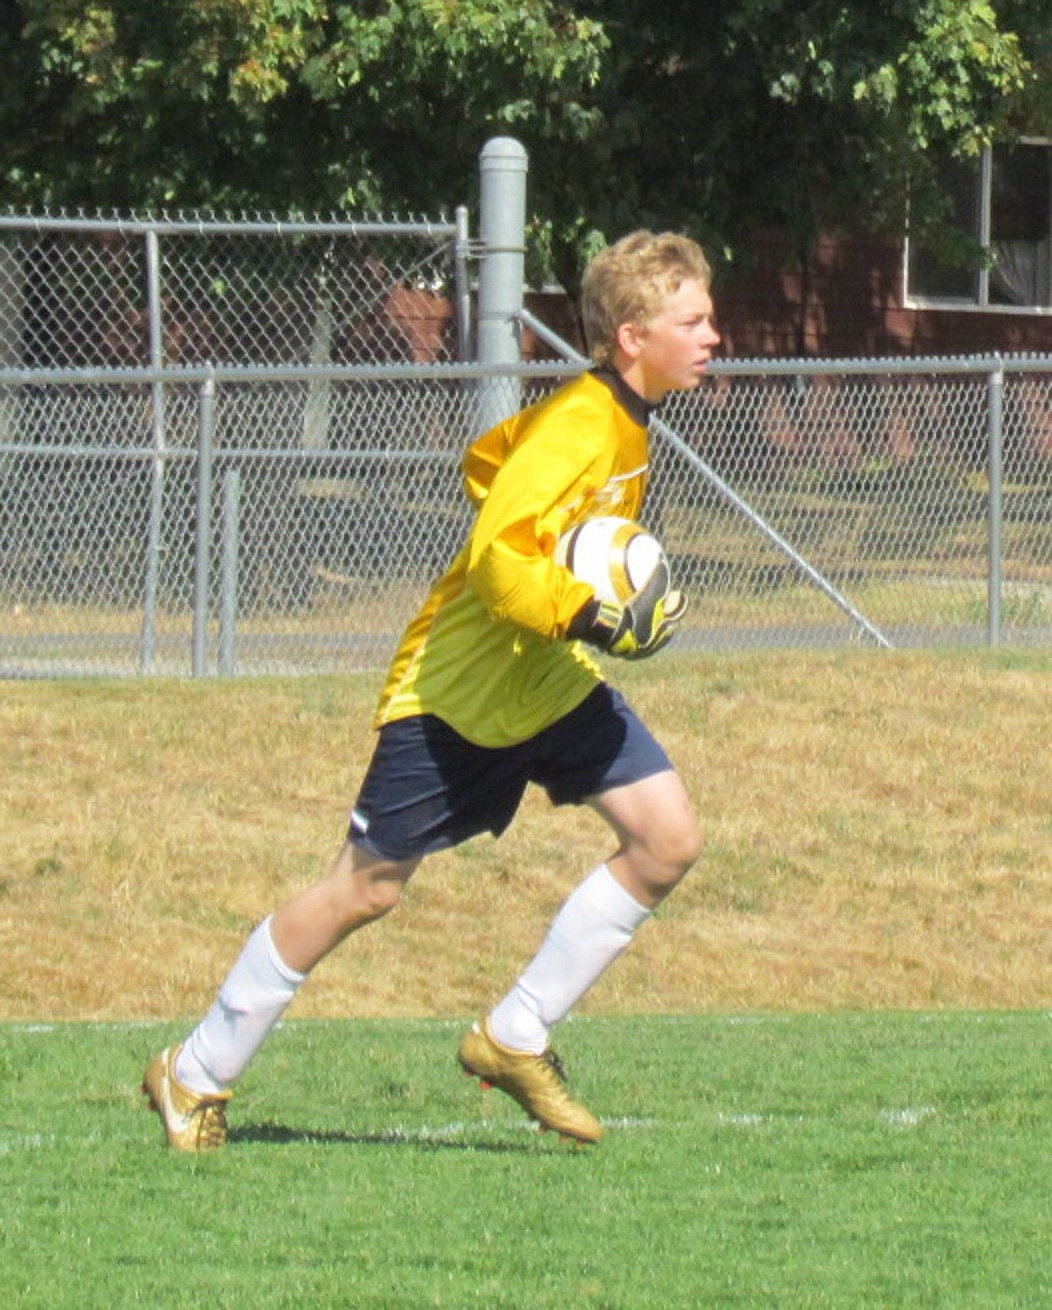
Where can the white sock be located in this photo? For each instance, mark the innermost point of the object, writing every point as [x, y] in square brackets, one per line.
[590, 931]
[256, 994]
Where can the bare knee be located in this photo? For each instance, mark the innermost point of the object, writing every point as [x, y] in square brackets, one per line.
[655, 860]
[360, 894]
[686, 843]
[671, 849]
[372, 897]
[358, 890]
[658, 831]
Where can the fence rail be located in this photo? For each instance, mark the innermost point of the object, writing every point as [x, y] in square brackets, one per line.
[914, 494]
[802, 502]
[234, 446]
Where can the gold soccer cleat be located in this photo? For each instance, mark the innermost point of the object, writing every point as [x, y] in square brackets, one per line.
[192, 1121]
[535, 1081]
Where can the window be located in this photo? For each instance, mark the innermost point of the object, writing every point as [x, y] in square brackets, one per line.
[1004, 202]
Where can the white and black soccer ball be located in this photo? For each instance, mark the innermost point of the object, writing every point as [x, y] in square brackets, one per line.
[616, 556]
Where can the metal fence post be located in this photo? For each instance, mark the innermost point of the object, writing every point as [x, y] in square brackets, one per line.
[995, 474]
[151, 586]
[502, 229]
[228, 575]
[203, 524]
[462, 285]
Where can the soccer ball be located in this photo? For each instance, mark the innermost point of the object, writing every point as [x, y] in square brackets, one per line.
[614, 555]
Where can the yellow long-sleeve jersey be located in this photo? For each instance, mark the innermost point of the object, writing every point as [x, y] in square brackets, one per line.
[488, 653]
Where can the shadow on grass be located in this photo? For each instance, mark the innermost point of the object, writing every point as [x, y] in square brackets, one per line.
[282, 1135]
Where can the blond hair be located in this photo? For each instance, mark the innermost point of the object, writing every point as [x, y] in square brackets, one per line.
[629, 282]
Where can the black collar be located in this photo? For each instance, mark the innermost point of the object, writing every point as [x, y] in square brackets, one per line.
[639, 408]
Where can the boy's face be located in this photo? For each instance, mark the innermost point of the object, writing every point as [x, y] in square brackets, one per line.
[671, 351]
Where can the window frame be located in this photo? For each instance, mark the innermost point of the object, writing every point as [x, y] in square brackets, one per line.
[980, 303]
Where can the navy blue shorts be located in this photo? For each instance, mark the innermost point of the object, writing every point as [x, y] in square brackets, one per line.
[427, 788]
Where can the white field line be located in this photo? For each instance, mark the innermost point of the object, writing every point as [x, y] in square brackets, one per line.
[904, 1118]
[909, 1117]
[425, 1133]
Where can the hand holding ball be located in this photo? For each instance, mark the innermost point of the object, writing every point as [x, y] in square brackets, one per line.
[635, 613]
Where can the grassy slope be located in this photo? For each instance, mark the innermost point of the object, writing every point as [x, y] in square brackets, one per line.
[879, 834]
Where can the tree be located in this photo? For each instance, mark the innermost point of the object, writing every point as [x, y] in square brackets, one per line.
[283, 104]
[796, 116]
[799, 115]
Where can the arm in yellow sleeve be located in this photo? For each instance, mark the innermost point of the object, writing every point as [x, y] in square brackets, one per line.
[530, 503]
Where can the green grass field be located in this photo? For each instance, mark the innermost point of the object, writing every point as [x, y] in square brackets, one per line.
[850, 1160]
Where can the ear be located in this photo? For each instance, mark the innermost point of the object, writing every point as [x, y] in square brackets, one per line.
[629, 338]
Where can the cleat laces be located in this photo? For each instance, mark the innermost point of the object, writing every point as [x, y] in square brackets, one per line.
[536, 1081]
[211, 1131]
[555, 1065]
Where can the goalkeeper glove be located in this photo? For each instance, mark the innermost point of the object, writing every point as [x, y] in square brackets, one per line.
[640, 627]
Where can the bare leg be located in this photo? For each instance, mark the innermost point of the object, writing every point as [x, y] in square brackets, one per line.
[659, 840]
[658, 834]
[276, 960]
[358, 889]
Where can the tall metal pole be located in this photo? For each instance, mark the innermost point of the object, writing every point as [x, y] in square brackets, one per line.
[462, 285]
[151, 586]
[502, 229]
[995, 508]
[228, 572]
[203, 525]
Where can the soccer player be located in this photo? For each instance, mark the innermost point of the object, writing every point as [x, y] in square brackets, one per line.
[492, 688]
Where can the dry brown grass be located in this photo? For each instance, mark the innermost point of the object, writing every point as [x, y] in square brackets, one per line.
[879, 833]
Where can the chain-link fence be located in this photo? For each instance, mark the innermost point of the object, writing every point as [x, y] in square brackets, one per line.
[237, 451]
[152, 293]
[904, 502]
